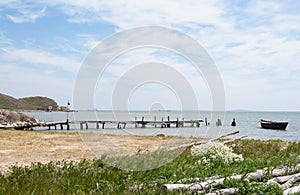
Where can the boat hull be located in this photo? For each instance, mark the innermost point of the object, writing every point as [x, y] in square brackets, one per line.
[273, 125]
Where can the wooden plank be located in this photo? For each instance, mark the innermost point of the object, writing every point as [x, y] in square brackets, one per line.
[122, 124]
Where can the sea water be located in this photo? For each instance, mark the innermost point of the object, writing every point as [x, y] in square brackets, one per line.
[247, 123]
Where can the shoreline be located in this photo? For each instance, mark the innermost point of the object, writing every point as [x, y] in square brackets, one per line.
[46, 111]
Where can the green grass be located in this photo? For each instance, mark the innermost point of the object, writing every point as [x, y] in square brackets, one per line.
[96, 177]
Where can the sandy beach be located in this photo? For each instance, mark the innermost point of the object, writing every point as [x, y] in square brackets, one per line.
[26, 147]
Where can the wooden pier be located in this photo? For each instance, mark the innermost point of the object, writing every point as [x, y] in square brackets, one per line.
[58, 123]
[122, 124]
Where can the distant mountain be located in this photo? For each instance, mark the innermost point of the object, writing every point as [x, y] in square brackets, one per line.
[27, 103]
[241, 110]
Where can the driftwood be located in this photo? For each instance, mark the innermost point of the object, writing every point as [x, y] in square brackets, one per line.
[291, 182]
[229, 191]
[233, 140]
[284, 179]
[224, 191]
[293, 190]
[201, 142]
[197, 179]
[210, 184]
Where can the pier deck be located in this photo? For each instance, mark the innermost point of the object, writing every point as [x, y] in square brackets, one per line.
[122, 124]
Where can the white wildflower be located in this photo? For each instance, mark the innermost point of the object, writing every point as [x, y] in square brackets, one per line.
[213, 152]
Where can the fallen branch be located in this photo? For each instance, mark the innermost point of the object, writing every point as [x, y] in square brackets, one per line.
[210, 184]
[291, 182]
[284, 170]
[293, 190]
[225, 191]
[197, 179]
[233, 140]
[283, 179]
[201, 142]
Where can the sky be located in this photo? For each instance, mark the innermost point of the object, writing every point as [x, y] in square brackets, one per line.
[255, 46]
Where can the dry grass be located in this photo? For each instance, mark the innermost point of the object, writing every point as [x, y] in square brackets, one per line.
[26, 147]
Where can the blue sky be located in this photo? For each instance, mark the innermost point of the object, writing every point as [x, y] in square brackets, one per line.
[254, 44]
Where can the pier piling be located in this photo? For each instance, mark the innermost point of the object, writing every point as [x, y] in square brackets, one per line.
[122, 124]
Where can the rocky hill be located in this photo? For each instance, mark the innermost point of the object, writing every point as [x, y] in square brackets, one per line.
[28, 103]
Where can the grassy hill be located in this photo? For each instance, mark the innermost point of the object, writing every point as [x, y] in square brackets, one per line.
[28, 103]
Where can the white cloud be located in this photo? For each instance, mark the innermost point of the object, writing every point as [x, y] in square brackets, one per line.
[4, 40]
[266, 53]
[135, 13]
[88, 41]
[27, 15]
[255, 44]
[26, 72]
[126, 64]
[21, 81]
[39, 58]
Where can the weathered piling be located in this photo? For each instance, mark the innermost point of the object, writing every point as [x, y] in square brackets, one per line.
[86, 125]
[58, 123]
[143, 123]
[122, 124]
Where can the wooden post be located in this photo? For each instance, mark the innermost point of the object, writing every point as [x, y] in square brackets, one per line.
[124, 126]
[177, 122]
[155, 121]
[219, 122]
[136, 124]
[86, 125]
[97, 125]
[143, 125]
[206, 121]
[61, 126]
[103, 125]
[68, 126]
[192, 124]
[81, 125]
[168, 124]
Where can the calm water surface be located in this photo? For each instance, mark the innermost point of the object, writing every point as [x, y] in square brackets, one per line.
[247, 123]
